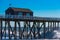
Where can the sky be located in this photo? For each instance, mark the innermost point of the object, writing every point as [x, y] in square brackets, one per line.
[40, 8]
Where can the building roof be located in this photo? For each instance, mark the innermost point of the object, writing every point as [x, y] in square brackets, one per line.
[20, 9]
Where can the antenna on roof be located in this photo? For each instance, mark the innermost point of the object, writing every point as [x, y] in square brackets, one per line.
[10, 5]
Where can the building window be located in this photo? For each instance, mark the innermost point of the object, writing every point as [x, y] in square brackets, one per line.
[20, 13]
[27, 14]
[8, 15]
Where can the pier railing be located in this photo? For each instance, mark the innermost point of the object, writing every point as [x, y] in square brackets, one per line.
[29, 17]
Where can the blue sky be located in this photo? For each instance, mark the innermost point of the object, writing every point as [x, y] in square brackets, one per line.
[44, 8]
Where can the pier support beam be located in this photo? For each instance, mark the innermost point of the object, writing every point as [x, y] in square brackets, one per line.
[44, 29]
[15, 31]
[1, 35]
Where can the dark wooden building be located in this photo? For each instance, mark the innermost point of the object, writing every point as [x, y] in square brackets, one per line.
[18, 11]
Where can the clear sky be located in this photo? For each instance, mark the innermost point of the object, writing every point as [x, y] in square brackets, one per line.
[44, 8]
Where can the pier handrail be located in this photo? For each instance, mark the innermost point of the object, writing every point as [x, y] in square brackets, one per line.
[29, 17]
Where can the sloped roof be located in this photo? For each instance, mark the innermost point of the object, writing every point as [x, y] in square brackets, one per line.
[21, 9]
